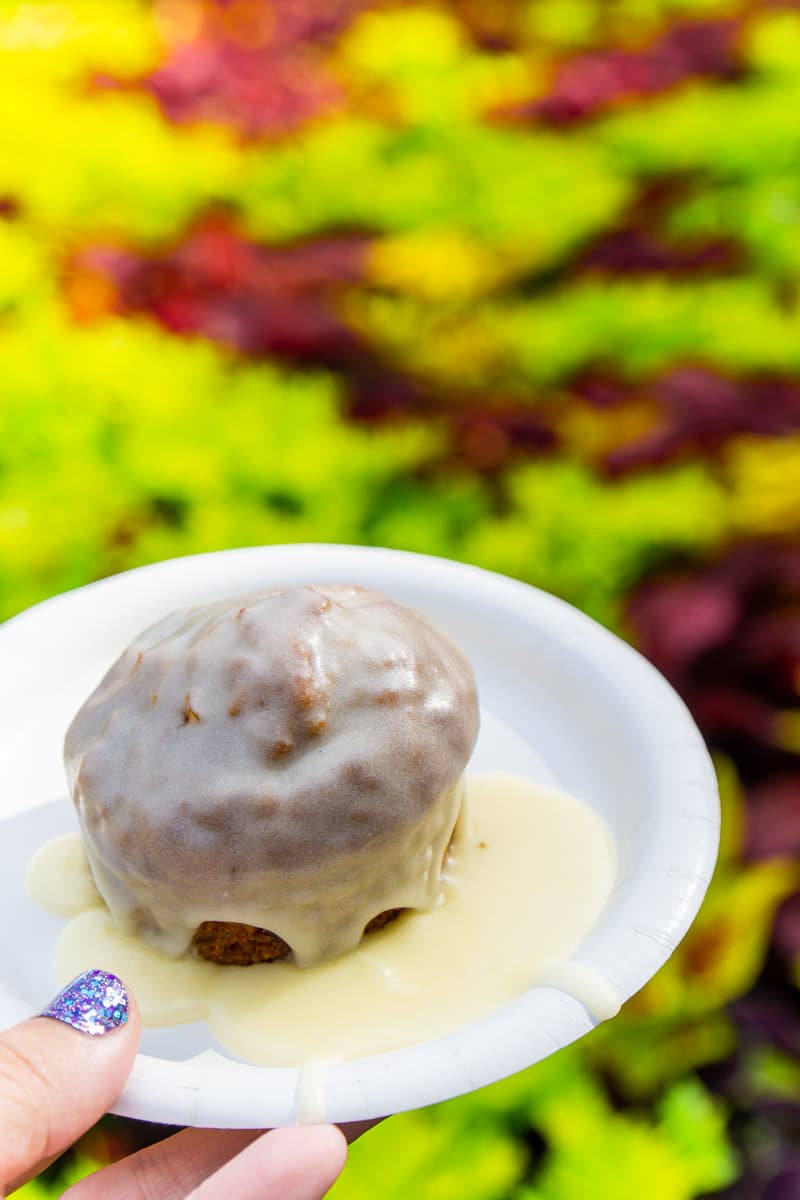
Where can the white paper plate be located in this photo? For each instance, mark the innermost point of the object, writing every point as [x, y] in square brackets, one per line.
[563, 702]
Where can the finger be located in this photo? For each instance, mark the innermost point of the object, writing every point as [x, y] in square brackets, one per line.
[300, 1162]
[171, 1168]
[167, 1171]
[61, 1071]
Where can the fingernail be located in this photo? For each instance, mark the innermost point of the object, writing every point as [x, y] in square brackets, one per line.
[94, 1003]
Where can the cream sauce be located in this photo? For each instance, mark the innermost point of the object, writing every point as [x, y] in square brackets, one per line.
[59, 880]
[526, 880]
[309, 1096]
[584, 984]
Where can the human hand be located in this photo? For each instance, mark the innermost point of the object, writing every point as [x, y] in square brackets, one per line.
[61, 1071]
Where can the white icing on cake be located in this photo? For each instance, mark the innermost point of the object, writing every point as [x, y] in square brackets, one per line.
[290, 760]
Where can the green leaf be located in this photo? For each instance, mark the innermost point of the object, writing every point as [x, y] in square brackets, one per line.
[430, 1159]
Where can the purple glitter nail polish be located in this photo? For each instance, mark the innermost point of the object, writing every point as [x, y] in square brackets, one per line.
[94, 1003]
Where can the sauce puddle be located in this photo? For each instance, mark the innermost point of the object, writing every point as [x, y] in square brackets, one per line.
[525, 881]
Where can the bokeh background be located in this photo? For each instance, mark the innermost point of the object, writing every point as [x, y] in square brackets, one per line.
[516, 282]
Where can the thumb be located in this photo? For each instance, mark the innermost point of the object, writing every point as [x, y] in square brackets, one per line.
[61, 1071]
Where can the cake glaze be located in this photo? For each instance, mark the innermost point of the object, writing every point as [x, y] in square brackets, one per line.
[290, 760]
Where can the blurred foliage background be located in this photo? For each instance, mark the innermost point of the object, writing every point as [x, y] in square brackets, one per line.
[514, 282]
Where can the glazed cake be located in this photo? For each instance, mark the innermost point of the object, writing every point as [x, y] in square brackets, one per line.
[273, 775]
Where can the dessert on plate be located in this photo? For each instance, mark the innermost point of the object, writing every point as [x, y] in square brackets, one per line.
[274, 776]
